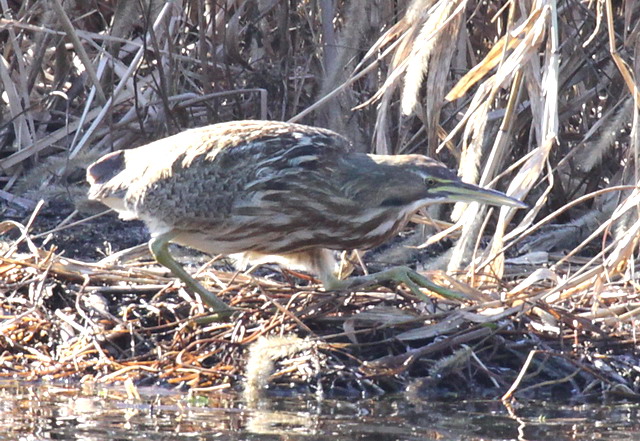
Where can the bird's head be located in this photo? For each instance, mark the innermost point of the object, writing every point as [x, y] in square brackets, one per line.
[425, 180]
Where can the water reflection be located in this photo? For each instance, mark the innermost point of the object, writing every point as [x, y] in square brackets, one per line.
[35, 412]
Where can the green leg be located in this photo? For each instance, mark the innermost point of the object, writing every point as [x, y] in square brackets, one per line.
[400, 274]
[159, 247]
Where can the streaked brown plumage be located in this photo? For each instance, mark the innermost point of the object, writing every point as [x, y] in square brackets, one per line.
[267, 188]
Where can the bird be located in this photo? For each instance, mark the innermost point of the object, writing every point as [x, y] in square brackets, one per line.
[280, 192]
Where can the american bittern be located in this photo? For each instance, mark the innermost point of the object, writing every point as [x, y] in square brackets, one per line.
[267, 189]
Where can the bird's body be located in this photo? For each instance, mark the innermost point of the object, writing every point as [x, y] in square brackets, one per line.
[266, 188]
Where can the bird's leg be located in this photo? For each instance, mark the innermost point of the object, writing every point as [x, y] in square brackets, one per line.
[159, 247]
[400, 274]
[321, 261]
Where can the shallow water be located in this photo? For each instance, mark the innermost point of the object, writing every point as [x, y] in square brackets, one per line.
[35, 412]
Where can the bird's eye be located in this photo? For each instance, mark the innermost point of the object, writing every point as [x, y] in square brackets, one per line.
[429, 182]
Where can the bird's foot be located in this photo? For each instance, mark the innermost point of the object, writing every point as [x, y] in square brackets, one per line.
[222, 311]
[399, 274]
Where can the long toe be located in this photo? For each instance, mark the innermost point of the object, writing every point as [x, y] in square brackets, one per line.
[399, 274]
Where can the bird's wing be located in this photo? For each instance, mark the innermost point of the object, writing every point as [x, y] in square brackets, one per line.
[234, 175]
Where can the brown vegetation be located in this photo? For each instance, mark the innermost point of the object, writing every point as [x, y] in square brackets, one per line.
[534, 97]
